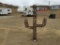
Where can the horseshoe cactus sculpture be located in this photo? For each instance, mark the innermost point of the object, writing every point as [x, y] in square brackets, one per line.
[35, 25]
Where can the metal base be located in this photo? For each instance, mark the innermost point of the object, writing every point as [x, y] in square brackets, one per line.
[34, 40]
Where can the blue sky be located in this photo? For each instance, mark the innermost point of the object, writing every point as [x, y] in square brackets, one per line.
[30, 2]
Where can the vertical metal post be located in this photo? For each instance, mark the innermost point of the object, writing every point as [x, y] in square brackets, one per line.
[34, 23]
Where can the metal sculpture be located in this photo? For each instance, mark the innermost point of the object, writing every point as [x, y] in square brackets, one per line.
[35, 25]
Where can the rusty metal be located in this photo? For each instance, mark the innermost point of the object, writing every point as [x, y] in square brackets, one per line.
[35, 25]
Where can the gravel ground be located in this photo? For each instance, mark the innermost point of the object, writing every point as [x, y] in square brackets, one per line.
[13, 31]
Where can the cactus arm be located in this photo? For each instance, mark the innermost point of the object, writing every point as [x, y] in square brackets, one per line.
[43, 23]
[26, 23]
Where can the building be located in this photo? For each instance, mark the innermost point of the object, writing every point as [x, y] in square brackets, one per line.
[54, 7]
[14, 8]
[46, 7]
[42, 8]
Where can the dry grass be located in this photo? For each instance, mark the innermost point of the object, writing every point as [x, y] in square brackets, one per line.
[13, 31]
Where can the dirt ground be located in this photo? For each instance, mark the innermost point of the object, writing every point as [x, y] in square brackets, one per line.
[13, 31]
